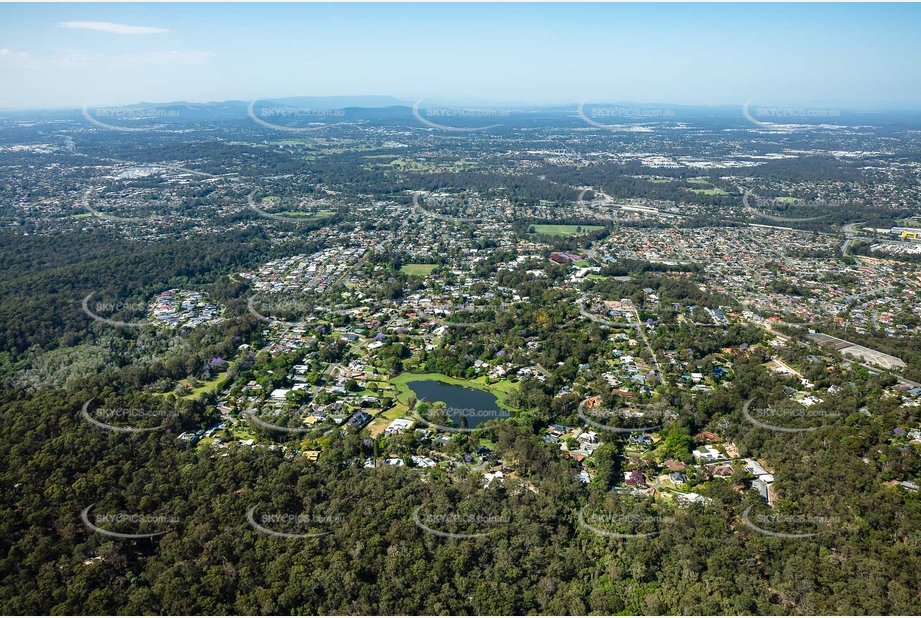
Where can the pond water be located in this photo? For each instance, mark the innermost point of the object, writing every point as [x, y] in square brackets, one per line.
[478, 406]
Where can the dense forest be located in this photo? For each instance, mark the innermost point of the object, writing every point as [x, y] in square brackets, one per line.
[535, 556]
[376, 560]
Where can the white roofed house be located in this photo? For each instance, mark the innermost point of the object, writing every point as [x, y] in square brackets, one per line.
[422, 462]
[398, 427]
[708, 453]
[754, 467]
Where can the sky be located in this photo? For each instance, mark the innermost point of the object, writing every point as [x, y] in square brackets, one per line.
[852, 56]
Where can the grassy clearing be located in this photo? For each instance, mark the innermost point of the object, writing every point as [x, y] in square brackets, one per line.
[418, 270]
[379, 424]
[566, 230]
[206, 387]
[242, 432]
[501, 389]
[377, 427]
[333, 150]
[709, 191]
[307, 215]
[395, 412]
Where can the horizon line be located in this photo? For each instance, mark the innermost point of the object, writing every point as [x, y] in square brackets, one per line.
[510, 106]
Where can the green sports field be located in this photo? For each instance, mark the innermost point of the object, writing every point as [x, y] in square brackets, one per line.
[418, 270]
[565, 230]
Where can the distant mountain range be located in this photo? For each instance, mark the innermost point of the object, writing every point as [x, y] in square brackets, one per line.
[298, 111]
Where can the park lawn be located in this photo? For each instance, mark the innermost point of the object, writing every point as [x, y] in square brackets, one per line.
[206, 387]
[659, 180]
[505, 387]
[307, 215]
[596, 277]
[418, 270]
[500, 389]
[565, 230]
[395, 412]
[709, 191]
[582, 263]
[379, 383]
[242, 432]
[699, 181]
[328, 149]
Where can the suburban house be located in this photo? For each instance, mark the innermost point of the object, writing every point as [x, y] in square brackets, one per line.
[707, 453]
[635, 479]
[398, 426]
[673, 465]
[762, 488]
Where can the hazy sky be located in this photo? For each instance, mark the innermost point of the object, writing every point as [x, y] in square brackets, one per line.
[853, 55]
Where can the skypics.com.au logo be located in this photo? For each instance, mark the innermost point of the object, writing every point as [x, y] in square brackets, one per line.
[114, 308]
[129, 520]
[448, 116]
[598, 202]
[268, 116]
[580, 305]
[604, 116]
[757, 205]
[289, 310]
[104, 117]
[439, 417]
[291, 207]
[87, 204]
[474, 524]
[293, 525]
[448, 314]
[115, 419]
[614, 525]
[443, 202]
[775, 418]
[763, 522]
[637, 418]
[788, 113]
[252, 415]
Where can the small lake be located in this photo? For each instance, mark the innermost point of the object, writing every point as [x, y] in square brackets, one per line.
[478, 406]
